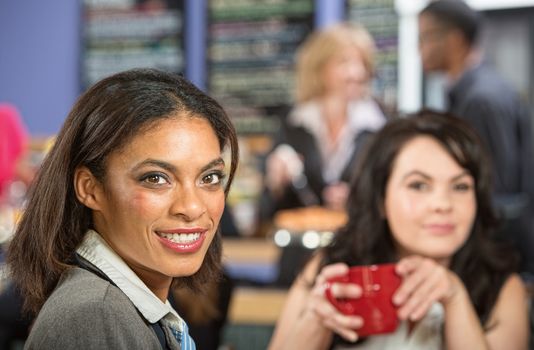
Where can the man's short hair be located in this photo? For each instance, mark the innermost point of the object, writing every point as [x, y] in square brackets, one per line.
[456, 14]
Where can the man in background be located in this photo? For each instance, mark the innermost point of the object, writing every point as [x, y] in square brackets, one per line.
[448, 37]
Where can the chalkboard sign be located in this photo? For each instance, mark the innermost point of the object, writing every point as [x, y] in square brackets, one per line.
[125, 34]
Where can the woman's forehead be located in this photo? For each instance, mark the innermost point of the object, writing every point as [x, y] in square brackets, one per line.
[173, 135]
[428, 154]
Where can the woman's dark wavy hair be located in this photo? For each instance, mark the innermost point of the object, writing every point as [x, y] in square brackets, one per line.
[104, 118]
[482, 265]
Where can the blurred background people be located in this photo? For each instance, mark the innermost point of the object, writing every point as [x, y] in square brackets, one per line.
[326, 129]
[421, 199]
[448, 41]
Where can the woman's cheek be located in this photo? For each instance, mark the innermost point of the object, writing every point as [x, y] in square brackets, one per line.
[217, 207]
[143, 204]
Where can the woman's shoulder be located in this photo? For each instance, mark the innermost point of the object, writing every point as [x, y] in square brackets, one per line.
[84, 307]
[95, 288]
[305, 115]
[509, 316]
[512, 291]
[512, 294]
[82, 292]
[367, 114]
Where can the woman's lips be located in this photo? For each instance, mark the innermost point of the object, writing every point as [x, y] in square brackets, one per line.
[440, 229]
[183, 240]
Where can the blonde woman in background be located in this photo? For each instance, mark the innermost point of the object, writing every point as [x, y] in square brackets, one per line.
[325, 130]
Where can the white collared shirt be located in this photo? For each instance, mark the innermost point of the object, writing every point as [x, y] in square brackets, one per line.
[95, 250]
[427, 335]
[364, 114]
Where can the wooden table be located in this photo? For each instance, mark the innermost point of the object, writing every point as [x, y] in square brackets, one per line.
[256, 306]
[253, 305]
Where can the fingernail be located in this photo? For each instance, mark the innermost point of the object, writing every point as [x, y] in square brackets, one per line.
[353, 337]
[334, 289]
[356, 289]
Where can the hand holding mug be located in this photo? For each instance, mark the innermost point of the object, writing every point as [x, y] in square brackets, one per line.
[424, 282]
[344, 325]
[375, 306]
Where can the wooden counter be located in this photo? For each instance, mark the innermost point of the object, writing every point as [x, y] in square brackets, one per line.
[256, 306]
[250, 251]
[253, 306]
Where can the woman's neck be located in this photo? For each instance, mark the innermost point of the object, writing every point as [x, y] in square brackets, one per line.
[334, 111]
[158, 284]
[334, 107]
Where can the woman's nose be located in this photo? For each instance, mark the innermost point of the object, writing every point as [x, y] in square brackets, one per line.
[188, 202]
[441, 201]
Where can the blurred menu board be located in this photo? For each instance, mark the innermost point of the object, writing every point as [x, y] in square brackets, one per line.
[381, 20]
[251, 51]
[125, 34]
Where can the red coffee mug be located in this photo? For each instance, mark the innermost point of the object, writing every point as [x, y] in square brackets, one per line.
[375, 306]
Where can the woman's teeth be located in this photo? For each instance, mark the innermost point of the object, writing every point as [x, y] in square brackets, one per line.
[180, 237]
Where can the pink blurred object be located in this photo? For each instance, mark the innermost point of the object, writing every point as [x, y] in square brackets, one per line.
[13, 143]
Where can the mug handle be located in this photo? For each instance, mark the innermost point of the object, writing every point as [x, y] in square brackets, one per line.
[343, 307]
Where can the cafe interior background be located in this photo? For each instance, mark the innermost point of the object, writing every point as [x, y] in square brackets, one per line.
[242, 53]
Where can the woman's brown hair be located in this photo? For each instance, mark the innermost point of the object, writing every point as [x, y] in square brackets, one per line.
[481, 263]
[104, 118]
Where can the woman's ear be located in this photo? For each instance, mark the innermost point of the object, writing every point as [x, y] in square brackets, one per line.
[88, 188]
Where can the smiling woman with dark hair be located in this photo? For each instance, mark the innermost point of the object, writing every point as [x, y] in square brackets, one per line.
[127, 204]
[420, 200]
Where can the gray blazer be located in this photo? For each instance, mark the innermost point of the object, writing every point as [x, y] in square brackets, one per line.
[87, 312]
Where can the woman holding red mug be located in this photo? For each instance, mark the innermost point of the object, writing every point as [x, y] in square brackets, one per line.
[421, 200]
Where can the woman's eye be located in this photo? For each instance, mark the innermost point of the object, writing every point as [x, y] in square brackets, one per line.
[213, 178]
[462, 187]
[154, 179]
[418, 185]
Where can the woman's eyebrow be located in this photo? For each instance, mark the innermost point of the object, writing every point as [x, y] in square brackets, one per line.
[416, 172]
[159, 163]
[171, 168]
[462, 174]
[428, 177]
[216, 162]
